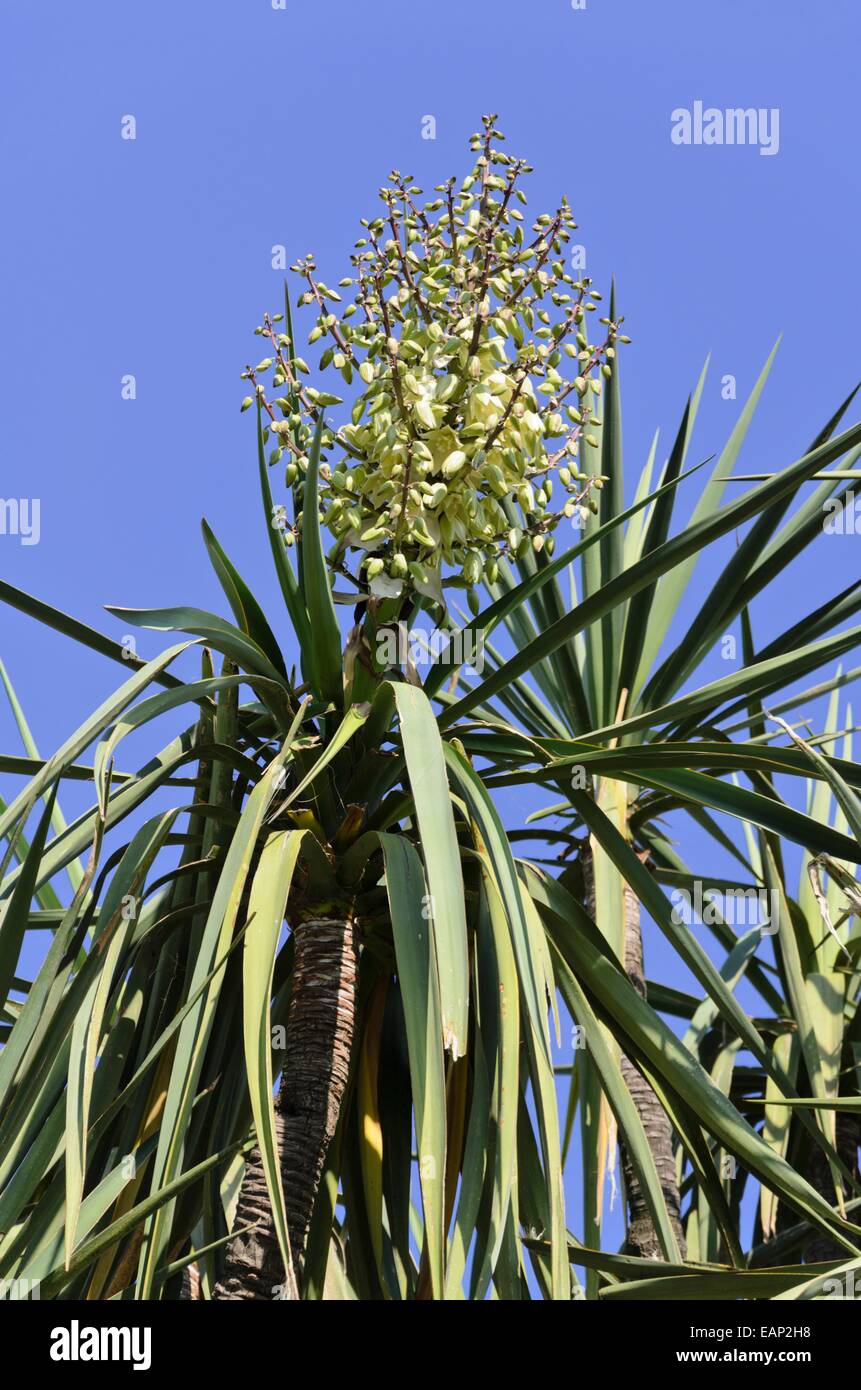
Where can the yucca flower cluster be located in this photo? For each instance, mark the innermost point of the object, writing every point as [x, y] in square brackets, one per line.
[468, 340]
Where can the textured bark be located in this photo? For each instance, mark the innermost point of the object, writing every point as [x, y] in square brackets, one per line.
[314, 1076]
[641, 1237]
[818, 1174]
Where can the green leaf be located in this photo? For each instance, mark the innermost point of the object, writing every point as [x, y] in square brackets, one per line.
[656, 531]
[220, 634]
[13, 916]
[290, 589]
[417, 976]
[325, 632]
[672, 584]
[491, 839]
[619, 1097]
[58, 823]
[116, 925]
[423, 750]
[267, 905]
[246, 610]
[500, 1019]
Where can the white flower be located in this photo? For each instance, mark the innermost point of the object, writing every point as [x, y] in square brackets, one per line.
[382, 586]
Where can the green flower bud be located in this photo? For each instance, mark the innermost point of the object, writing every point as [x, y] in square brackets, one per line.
[526, 497]
[496, 479]
[421, 536]
[472, 568]
[453, 463]
[437, 494]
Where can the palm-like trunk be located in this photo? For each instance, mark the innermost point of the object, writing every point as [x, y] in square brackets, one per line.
[641, 1236]
[314, 1076]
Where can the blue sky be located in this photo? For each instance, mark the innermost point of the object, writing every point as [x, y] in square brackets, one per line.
[259, 126]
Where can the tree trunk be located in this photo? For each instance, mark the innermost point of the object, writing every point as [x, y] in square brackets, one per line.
[314, 1076]
[641, 1236]
[818, 1174]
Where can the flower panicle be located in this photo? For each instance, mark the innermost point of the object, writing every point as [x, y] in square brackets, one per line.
[477, 383]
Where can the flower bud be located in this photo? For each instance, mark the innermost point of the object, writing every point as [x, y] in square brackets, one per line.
[453, 463]
[472, 567]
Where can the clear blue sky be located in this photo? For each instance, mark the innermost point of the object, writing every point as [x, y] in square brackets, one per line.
[258, 126]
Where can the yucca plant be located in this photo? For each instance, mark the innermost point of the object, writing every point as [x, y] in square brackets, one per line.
[414, 1146]
[412, 973]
